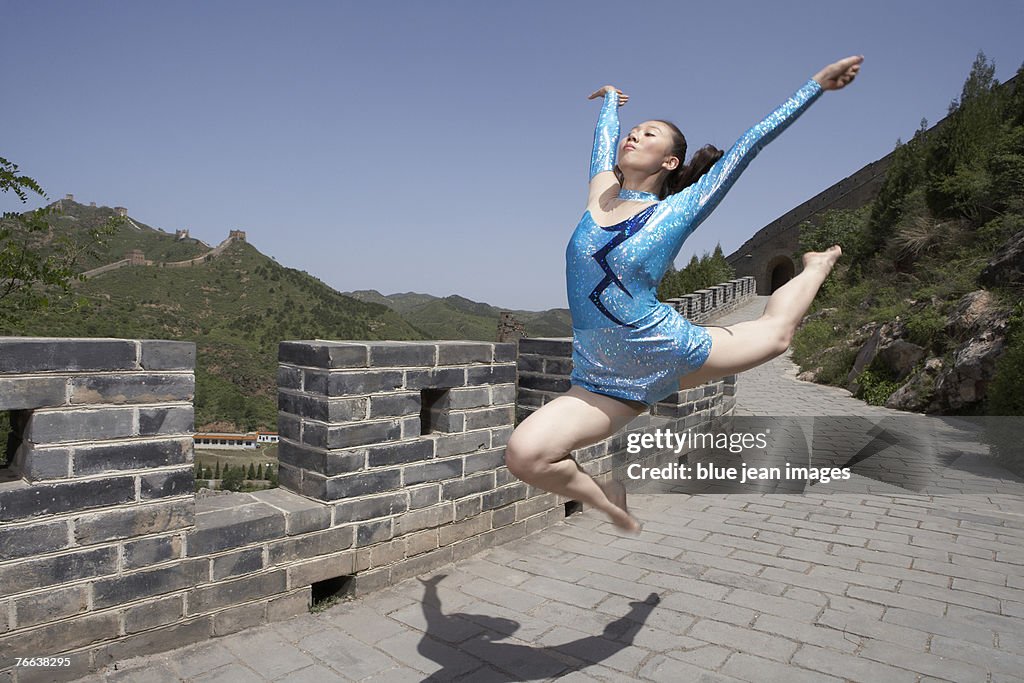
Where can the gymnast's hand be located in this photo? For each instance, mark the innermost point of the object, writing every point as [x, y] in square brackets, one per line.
[837, 75]
[623, 97]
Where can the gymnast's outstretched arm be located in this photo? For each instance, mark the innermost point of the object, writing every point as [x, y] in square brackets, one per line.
[606, 135]
[698, 200]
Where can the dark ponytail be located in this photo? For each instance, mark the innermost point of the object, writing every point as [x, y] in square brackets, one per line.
[687, 174]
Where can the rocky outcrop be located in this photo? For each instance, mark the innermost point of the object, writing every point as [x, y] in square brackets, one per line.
[900, 357]
[916, 394]
[1007, 266]
[975, 313]
[818, 315]
[887, 345]
[865, 356]
[978, 327]
[966, 381]
[810, 375]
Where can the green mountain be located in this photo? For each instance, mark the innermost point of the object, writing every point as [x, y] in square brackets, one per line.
[456, 317]
[925, 310]
[75, 219]
[234, 302]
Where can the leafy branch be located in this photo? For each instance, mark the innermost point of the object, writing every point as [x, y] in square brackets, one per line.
[29, 279]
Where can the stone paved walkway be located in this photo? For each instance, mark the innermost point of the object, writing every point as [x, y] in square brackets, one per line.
[866, 582]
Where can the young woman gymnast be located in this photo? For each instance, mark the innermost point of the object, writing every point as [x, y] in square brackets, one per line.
[630, 350]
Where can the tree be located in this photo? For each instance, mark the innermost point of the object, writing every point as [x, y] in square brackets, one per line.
[845, 227]
[707, 271]
[30, 278]
[232, 480]
[959, 183]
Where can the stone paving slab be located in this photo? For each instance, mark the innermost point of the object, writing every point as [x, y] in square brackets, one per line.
[865, 582]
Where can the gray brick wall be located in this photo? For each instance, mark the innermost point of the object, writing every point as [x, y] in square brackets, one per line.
[391, 464]
[98, 492]
[362, 419]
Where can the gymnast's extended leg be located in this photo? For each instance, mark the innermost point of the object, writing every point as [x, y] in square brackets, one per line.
[750, 343]
[538, 450]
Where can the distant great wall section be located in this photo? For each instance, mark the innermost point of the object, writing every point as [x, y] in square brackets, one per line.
[768, 256]
[136, 257]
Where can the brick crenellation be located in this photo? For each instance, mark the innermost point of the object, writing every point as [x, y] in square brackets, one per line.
[391, 464]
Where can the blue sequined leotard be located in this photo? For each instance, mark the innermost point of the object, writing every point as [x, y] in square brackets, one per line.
[626, 343]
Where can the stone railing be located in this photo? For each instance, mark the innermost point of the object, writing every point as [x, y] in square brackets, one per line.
[705, 305]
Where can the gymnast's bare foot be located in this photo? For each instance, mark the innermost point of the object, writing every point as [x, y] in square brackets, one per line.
[616, 494]
[823, 259]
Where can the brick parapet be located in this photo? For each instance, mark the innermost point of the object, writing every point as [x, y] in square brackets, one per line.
[391, 465]
[706, 305]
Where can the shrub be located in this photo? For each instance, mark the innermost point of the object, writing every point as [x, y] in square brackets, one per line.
[845, 227]
[836, 366]
[924, 327]
[875, 387]
[812, 338]
[232, 479]
[1004, 392]
[917, 235]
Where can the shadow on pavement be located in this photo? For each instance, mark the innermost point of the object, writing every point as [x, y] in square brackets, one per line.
[444, 642]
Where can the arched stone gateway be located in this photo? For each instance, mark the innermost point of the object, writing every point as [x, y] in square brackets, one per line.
[780, 271]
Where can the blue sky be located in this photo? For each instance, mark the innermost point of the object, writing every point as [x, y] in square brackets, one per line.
[444, 147]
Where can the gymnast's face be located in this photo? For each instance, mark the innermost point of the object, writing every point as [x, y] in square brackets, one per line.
[648, 147]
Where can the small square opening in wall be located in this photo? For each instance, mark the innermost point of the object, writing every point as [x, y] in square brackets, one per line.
[429, 414]
[329, 591]
[12, 426]
[572, 507]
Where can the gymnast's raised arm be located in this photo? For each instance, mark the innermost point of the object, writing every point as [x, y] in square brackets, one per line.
[606, 134]
[703, 196]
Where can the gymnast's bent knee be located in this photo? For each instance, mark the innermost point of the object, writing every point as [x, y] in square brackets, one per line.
[524, 455]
